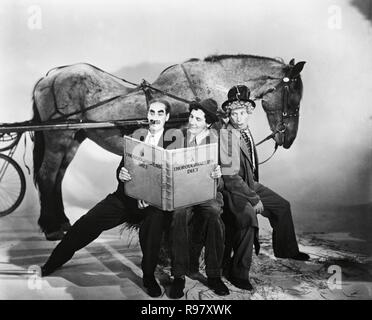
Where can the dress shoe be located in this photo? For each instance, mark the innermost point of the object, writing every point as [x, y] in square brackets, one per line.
[301, 256]
[176, 290]
[65, 226]
[45, 271]
[241, 283]
[152, 287]
[218, 286]
[54, 235]
[195, 275]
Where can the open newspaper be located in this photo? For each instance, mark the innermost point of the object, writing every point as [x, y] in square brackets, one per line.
[170, 179]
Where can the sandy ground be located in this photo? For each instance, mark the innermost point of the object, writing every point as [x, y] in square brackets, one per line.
[109, 268]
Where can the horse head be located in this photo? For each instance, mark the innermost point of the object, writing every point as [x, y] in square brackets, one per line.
[281, 103]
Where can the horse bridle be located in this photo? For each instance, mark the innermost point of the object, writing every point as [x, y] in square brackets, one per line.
[281, 128]
[285, 114]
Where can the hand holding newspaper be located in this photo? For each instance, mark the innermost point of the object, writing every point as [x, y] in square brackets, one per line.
[170, 179]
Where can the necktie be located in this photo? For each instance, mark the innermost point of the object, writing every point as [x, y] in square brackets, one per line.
[247, 141]
[193, 143]
[151, 140]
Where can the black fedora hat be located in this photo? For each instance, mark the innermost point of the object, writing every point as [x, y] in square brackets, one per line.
[209, 106]
[238, 93]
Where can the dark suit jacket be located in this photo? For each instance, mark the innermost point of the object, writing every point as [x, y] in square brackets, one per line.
[211, 138]
[239, 194]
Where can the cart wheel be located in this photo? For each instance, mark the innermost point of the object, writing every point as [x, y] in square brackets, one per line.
[12, 185]
[9, 140]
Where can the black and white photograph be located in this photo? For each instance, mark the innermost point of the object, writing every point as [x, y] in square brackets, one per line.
[198, 151]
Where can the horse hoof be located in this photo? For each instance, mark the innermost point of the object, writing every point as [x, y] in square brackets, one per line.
[65, 226]
[55, 235]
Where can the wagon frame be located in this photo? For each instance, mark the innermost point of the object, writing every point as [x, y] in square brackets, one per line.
[12, 178]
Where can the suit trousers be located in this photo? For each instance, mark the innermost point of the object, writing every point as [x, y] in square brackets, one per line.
[240, 243]
[278, 211]
[151, 234]
[240, 240]
[107, 214]
[207, 230]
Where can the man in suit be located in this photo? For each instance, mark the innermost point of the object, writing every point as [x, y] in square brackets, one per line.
[245, 197]
[118, 208]
[202, 116]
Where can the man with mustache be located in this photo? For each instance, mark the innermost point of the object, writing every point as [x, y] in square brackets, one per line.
[118, 208]
[245, 197]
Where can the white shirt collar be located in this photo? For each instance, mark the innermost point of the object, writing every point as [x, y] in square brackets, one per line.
[156, 136]
[199, 138]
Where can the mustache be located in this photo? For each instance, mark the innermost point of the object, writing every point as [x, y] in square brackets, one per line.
[154, 122]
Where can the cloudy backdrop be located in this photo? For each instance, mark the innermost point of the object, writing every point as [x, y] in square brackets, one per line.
[327, 173]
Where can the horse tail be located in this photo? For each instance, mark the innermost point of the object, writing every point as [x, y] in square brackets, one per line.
[39, 144]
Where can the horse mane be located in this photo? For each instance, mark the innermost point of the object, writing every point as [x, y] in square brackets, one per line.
[168, 68]
[220, 57]
[192, 60]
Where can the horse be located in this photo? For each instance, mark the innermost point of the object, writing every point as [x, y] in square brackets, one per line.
[69, 92]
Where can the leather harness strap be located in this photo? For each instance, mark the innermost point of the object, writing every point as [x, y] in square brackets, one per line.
[190, 83]
[275, 148]
[145, 85]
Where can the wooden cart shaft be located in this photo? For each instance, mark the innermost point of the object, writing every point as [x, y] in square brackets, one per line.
[29, 126]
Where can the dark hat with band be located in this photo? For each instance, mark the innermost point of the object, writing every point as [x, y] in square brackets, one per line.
[239, 93]
[209, 106]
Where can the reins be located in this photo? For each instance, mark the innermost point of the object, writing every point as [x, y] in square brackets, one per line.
[270, 136]
[145, 85]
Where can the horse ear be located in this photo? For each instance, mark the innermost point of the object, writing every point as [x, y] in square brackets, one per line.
[292, 62]
[296, 70]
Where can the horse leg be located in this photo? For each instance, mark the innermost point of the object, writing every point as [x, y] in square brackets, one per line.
[45, 180]
[56, 145]
[69, 155]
